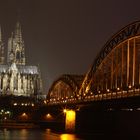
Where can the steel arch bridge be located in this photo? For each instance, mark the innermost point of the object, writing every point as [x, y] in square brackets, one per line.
[115, 72]
[65, 88]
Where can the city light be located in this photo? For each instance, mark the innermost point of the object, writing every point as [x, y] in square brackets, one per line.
[4, 114]
[118, 88]
[24, 116]
[48, 116]
[65, 110]
[45, 102]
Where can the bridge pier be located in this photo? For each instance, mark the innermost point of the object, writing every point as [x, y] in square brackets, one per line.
[70, 120]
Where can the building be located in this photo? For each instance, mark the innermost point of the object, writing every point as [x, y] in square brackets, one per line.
[16, 78]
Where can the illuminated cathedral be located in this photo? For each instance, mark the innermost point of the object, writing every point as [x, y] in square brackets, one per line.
[16, 78]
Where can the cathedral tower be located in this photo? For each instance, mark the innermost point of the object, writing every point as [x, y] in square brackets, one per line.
[1, 49]
[16, 78]
[16, 52]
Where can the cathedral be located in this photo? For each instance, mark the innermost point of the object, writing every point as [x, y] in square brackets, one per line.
[16, 78]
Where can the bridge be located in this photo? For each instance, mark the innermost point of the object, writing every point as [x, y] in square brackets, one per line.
[108, 93]
[114, 74]
[112, 82]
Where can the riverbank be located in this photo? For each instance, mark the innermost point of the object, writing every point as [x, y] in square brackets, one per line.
[18, 125]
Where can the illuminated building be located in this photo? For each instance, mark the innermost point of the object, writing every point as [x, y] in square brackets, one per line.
[16, 78]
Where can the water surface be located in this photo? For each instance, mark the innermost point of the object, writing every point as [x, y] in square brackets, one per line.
[33, 134]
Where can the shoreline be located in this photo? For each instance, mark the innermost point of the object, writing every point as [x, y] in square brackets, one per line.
[18, 125]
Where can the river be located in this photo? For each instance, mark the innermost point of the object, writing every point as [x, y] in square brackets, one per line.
[35, 134]
[47, 134]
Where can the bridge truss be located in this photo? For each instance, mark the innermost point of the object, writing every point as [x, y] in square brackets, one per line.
[115, 72]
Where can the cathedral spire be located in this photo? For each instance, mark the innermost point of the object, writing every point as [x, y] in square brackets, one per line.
[18, 35]
[16, 49]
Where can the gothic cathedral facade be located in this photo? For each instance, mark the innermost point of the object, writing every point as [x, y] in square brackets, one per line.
[16, 78]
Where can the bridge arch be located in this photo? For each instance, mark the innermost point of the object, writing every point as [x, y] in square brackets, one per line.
[117, 66]
[65, 88]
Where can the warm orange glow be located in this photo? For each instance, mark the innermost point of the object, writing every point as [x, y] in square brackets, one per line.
[67, 137]
[87, 89]
[70, 120]
[118, 88]
[48, 116]
[15, 104]
[24, 116]
[65, 110]
[70, 114]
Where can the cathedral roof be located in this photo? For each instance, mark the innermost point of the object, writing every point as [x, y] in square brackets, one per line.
[21, 69]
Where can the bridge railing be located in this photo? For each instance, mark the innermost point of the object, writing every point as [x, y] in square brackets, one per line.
[97, 97]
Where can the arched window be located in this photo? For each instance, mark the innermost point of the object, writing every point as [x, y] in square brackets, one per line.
[17, 55]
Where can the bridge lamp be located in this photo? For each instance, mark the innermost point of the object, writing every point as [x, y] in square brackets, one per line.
[64, 110]
[118, 88]
[129, 86]
[15, 104]
[7, 112]
[45, 102]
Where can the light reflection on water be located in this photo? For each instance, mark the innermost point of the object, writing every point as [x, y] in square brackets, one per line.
[31, 134]
[68, 137]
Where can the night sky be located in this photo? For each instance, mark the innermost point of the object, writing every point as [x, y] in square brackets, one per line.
[64, 36]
